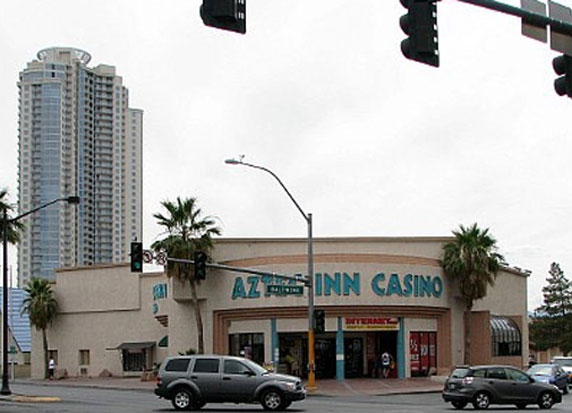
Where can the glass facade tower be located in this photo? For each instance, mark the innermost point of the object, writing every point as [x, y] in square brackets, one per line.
[77, 136]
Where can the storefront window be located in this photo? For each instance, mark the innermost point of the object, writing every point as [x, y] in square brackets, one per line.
[133, 360]
[249, 345]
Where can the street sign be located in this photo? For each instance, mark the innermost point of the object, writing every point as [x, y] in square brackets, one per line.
[279, 289]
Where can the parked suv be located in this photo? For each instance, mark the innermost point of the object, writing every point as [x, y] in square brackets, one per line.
[566, 363]
[485, 385]
[190, 382]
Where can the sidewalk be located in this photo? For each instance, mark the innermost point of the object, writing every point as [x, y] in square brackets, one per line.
[327, 388]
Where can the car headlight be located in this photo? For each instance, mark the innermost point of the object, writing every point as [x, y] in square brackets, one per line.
[289, 386]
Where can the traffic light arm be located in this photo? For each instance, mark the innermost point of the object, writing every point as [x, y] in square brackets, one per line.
[301, 279]
[533, 18]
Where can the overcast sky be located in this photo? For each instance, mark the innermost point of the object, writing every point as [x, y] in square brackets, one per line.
[370, 143]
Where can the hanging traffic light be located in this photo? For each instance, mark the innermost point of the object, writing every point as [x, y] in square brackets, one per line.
[563, 66]
[319, 321]
[225, 14]
[420, 24]
[136, 257]
[200, 265]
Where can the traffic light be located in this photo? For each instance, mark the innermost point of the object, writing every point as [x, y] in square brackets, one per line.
[200, 259]
[225, 14]
[319, 321]
[563, 66]
[420, 24]
[136, 257]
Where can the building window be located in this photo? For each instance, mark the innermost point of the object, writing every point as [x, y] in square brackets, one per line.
[505, 337]
[84, 357]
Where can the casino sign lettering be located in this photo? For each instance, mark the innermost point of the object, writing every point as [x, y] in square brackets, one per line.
[346, 284]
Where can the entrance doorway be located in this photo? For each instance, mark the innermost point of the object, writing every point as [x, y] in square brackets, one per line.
[377, 344]
[353, 354]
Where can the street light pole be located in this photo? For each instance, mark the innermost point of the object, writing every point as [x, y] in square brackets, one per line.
[5, 386]
[5, 390]
[310, 282]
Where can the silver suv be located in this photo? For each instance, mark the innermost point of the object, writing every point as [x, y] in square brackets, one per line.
[190, 382]
[566, 363]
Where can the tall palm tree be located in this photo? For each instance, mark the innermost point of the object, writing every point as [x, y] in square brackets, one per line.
[187, 231]
[14, 228]
[42, 308]
[472, 259]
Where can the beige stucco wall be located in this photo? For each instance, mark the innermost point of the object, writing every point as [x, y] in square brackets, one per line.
[99, 309]
[106, 306]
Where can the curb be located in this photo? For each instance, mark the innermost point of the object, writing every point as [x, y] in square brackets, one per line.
[87, 386]
[21, 398]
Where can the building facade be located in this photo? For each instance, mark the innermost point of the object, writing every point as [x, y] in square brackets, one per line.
[378, 295]
[77, 136]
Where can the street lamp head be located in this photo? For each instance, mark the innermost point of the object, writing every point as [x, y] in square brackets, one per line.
[234, 161]
[72, 199]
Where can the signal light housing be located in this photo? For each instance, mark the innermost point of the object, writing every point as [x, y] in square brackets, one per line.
[200, 265]
[420, 24]
[563, 66]
[225, 14]
[136, 257]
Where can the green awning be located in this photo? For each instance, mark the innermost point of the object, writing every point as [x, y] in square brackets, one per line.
[164, 342]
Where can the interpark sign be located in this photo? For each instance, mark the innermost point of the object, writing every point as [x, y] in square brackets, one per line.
[342, 283]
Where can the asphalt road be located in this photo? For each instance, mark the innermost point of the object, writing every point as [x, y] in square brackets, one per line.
[77, 399]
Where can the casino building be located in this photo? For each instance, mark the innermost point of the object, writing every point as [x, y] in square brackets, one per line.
[377, 295]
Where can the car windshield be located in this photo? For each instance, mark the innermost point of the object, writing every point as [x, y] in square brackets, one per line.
[460, 373]
[540, 370]
[257, 368]
[563, 362]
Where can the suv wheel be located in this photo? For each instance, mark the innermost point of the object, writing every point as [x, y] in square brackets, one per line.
[182, 399]
[546, 400]
[482, 401]
[273, 400]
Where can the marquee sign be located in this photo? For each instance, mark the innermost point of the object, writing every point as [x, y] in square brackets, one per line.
[371, 324]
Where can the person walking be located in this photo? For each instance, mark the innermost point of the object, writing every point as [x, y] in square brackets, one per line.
[386, 360]
[51, 368]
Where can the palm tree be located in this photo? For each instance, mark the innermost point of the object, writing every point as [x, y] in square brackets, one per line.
[187, 232]
[472, 259]
[42, 308]
[13, 234]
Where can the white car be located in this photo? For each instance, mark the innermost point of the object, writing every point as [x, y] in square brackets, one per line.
[566, 364]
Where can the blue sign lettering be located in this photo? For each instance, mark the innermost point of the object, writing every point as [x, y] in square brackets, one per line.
[342, 283]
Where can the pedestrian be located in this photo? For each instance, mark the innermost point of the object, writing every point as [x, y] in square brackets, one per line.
[386, 360]
[52, 368]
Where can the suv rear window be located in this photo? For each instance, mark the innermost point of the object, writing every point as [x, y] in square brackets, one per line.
[460, 373]
[177, 365]
[206, 366]
[563, 362]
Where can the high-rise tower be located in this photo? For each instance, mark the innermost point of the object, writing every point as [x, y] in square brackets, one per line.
[77, 136]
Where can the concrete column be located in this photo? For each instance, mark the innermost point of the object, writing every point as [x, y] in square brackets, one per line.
[401, 342]
[275, 343]
[340, 358]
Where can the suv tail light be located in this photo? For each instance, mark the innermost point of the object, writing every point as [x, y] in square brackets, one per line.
[467, 381]
[158, 381]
